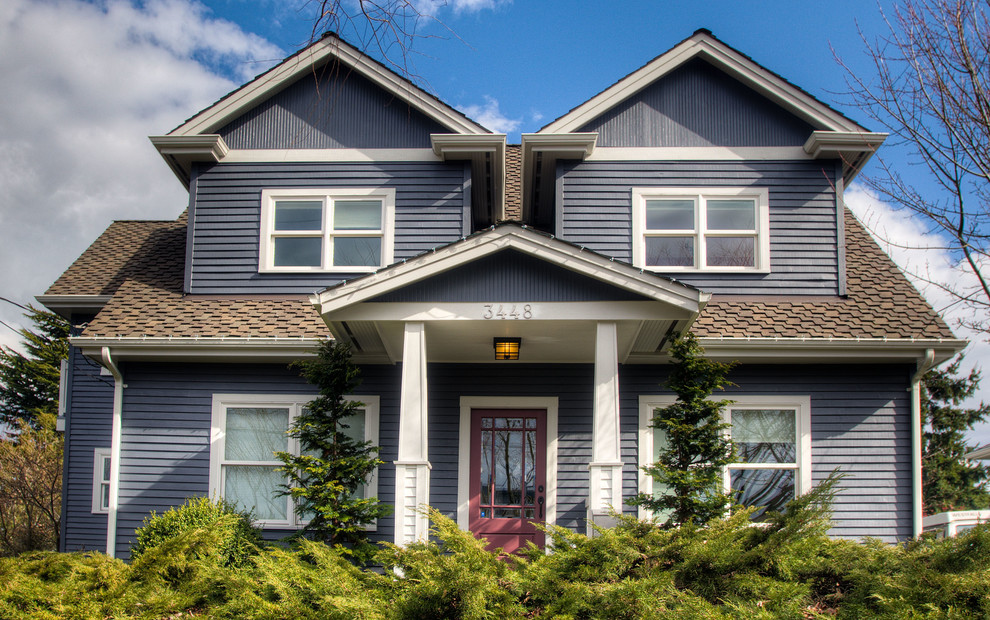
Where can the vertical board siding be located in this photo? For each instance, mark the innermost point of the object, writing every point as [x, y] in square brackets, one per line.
[90, 412]
[597, 214]
[698, 105]
[165, 441]
[429, 212]
[329, 110]
[860, 426]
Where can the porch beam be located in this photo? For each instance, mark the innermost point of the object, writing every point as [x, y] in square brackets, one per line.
[605, 470]
[412, 469]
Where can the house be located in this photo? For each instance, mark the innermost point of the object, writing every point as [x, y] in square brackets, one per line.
[510, 305]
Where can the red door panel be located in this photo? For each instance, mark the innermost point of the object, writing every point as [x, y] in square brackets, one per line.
[508, 476]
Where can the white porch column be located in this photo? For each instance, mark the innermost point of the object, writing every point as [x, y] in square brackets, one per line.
[605, 469]
[412, 469]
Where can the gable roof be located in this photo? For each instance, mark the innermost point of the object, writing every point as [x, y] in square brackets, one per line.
[328, 47]
[703, 44]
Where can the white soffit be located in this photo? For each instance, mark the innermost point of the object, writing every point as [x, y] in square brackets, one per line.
[705, 46]
[518, 238]
[290, 69]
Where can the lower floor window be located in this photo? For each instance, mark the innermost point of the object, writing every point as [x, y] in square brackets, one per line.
[101, 480]
[772, 435]
[247, 430]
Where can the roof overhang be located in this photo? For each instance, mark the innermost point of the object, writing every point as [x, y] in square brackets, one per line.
[486, 152]
[67, 305]
[253, 350]
[705, 46]
[540, 152]
[179, 152]
[552, 331]
[829, 350]
[854, 148]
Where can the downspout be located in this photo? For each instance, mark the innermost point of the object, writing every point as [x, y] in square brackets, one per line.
[924, 365]
[118, 397]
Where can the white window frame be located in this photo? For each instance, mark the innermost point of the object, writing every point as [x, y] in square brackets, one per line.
[295, 403]
[100, 456]
[701, 233]
[266, 251]
[801, 404]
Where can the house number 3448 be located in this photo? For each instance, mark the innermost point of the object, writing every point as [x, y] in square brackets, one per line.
[507, 311]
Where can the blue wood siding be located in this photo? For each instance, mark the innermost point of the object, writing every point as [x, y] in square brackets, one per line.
[860, 425]
[509, 276]
[429, 212]
[165, 439]
[331, 108]
[596, 212]
[698, 105]
[88, 420]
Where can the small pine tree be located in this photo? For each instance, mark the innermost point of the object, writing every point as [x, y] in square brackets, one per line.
[29, 382]
[325, 476]
[950, 482]
[697, 449]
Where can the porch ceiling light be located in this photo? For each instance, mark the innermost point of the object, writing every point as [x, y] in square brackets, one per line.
[507, 348]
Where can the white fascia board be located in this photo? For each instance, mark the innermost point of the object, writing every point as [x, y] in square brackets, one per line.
[239, 156]
[706, 153]
[554, 252]
[64, 305]
[449, 146]
[831, 349]
[179, 152]
[198, 348]
[280, 76]
[854, 148]
[979, 454]
[576, 145]
[722, 56]
[560, 311]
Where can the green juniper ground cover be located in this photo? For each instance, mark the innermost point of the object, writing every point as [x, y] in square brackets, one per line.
[205, 561]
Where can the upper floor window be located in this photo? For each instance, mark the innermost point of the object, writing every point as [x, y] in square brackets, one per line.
[247, 431]
[101, 480]
[343, 230]
[701, 229]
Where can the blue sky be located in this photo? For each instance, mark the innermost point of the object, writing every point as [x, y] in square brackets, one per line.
[87, 81]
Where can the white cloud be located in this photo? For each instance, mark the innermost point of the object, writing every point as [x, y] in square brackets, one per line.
[488, 115]
[917, 251]
[84, 85]
[432, 7]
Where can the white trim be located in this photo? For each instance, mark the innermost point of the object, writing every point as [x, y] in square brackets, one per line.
[549, 403]
[239, 156]
[917, 509]
[99, 456]
[413, 441]
[518, 238]
[605, 470]
[800, 403]
[704, 153]
[65, 305]
[701, 232]
[294, 403]
[705, 46]
[427, 311]
[327, 196]
[63, 394]
[283, 74]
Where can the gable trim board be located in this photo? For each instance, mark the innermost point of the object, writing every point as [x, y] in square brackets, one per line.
[327, 48]
[703, 45]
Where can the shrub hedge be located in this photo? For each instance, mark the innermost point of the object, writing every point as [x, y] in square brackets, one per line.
[205, 565]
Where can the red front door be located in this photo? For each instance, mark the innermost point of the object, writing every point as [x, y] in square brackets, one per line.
[508, 476]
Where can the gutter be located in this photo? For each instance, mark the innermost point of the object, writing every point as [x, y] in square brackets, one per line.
[118, 397]
[924, 365]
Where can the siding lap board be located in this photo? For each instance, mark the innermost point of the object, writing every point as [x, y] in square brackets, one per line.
[429, 212]
[804, 260]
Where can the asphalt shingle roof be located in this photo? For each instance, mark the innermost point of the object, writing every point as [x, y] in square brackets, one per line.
[141, 265]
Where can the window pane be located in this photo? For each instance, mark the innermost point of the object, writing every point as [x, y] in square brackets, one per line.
[357, 251]
[670, 214]
[105, 496]
[660, 489]
[298, 251]
[731, 251]
[508, 467]
[769, 488]
[106, 468]
[731, 214]
[765, 435]
[254, 488]
[670, 251]
[299, 215]
[255, 433]
[357, 215]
